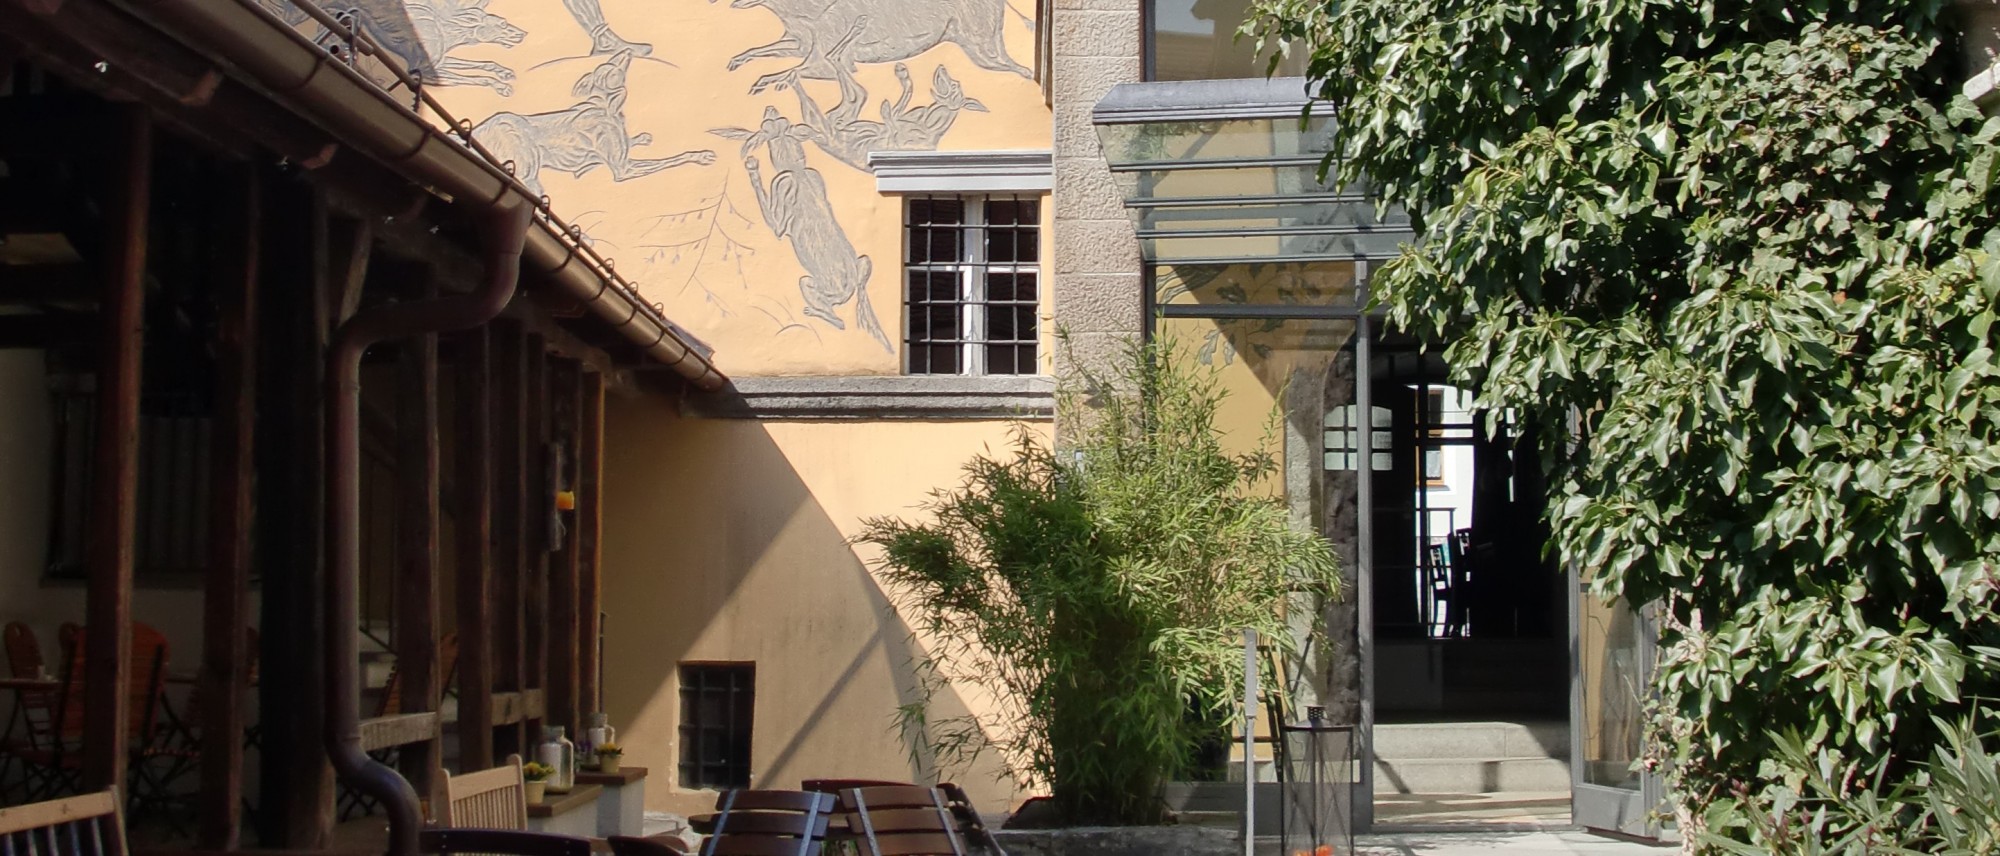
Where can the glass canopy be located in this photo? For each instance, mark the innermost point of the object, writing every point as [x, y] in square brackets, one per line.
[1221, 172]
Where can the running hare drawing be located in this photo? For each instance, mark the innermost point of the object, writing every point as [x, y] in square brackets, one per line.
[586, 136]
[796, 208]
[827, 35]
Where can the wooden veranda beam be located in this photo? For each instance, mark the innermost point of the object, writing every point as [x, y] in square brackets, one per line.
[417, 524]
[295, 808]
[589, 519]
[510, 485]
[564, 626]
[473, 460]
[539, 504]
[115, 491]
[225, 605]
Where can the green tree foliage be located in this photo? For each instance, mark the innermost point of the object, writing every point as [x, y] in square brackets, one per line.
[1737, 258]
[1102, 591]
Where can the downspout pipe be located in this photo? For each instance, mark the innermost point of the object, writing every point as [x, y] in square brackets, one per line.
[505, 231]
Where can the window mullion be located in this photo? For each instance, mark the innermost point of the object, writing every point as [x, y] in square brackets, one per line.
[972, 287]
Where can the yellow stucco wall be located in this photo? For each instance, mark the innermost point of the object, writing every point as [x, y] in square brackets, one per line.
[717, 151]
[726, 540]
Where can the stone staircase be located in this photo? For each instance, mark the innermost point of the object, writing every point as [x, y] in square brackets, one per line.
[1471, 757]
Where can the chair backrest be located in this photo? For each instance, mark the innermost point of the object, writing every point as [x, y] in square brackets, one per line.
[392, 692]
[144, 687]
[902, 820]
[626, 845]
[769, 823]
[24, 654]
[508, 842]
[835, 786]
[488, 799]
[87, 825]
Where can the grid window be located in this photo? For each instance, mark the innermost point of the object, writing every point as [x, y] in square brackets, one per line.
[972, 290]
[716, 704]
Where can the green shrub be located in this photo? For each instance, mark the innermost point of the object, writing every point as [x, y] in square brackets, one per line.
[1102, 591]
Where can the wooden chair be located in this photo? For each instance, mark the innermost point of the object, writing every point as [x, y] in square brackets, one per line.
[507, 842]
[971, 827]
[352, 801]
[488, 799]
[902, 820]
[627, 845]
[34, 710]
[768, 823]
[55, 767]
[87, 825]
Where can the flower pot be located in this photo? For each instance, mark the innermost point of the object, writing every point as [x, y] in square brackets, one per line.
[607, 763]
[535, 791]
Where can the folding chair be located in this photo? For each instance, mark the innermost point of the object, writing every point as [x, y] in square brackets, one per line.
[34, 710]
[904, 820]
[87, 825]
[767, 823]
[391, 703]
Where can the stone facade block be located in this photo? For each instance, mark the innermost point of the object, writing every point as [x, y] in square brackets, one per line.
[1095, 246]
[1101, 302]
[1086, 190]
[1095, 33]
[1081, 80]
[1097, 6]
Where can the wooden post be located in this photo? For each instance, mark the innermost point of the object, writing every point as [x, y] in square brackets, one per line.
[295, 811]
[225, 605]
[564, 623]
[115, 460]
[417, 524]
[510, 417]
[540, 503]
[589, 520]
[473, 455]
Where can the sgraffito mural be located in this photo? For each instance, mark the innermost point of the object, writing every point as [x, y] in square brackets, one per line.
[780, 251]
[589, 134]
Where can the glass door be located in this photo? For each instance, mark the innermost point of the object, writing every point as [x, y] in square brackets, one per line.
[1610, 674]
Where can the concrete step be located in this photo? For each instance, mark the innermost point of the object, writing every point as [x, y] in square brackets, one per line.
[1472, 740]
[1470, 776]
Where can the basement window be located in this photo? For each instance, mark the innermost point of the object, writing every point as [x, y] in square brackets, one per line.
[717, 702]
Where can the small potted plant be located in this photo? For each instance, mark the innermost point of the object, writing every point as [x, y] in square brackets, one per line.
[607, 757]
[536, 782]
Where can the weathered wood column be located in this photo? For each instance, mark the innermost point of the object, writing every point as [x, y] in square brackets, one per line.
[539, 503]
[115, 460]
[417, 525]
[473, 462]
[225, 604]
[509, 567]
[589, 528]
[295, 810]
[565, 624]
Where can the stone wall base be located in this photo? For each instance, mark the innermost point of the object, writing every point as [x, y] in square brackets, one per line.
[1121, 841]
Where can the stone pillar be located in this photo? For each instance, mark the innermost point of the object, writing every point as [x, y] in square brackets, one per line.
[1094, 45]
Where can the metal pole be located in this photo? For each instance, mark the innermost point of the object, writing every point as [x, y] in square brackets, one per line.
[1249, 742]
[1364, 552]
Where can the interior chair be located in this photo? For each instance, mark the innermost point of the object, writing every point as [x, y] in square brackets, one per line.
[85, 825]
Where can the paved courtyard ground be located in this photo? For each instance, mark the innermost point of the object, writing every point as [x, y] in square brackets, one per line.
[1550, 842]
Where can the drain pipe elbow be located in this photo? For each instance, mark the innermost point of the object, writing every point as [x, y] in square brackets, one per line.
[505, 234]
